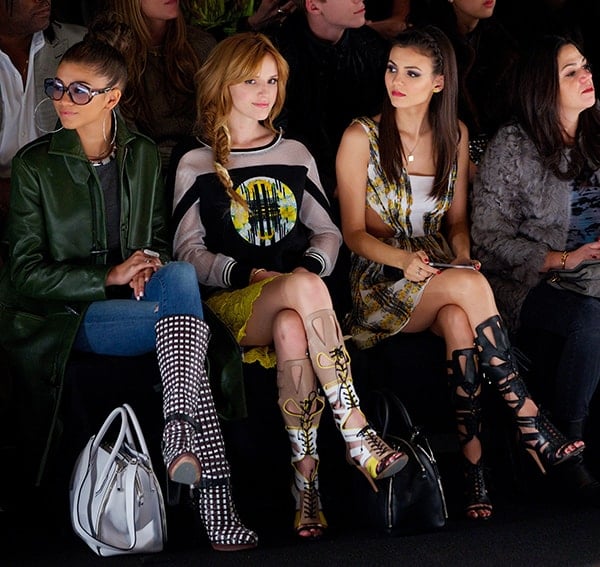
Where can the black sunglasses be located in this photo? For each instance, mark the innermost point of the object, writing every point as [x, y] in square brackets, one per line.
[79, 93]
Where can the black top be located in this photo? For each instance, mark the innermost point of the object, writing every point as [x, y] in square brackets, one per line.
[329, 85]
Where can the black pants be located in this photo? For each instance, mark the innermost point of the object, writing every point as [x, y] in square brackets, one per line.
[575, 318]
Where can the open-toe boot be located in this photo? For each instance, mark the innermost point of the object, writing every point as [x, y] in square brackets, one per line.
[180, 346]
[465, 390]
[331, 363]
[192, 429]
[301, 407]
[542, 440]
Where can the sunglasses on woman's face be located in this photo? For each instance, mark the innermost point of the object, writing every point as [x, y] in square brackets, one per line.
[79, 93]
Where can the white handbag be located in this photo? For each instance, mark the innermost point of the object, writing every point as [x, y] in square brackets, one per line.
[116, 502]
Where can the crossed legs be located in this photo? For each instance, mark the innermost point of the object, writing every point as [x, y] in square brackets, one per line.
[294, 312]
[459, 305]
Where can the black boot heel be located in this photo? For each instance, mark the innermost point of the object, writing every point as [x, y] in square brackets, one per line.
[182, 464]
[465, 383]
[546, 444]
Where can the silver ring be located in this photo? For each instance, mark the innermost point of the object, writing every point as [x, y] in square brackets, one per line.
[280, 11]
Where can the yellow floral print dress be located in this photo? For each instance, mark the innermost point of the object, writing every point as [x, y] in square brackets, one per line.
[382, 298]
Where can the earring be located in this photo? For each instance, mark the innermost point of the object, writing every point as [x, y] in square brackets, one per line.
[113, 119]
[36, 119]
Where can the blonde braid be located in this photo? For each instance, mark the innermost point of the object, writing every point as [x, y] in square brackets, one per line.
[222, 149]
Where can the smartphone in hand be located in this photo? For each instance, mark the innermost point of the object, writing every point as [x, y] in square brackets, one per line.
[442, 266]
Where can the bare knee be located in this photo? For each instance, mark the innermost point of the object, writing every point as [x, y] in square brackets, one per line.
[471, 284]
[452, 317]
[452, 323]
[307, 292]
[289, 335]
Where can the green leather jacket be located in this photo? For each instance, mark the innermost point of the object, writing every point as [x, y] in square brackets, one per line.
[57, 264]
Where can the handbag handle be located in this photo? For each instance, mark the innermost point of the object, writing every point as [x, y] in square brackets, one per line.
[123, 432]
[388, 398]
[138, 443]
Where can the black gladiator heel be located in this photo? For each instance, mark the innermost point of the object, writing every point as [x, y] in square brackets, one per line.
[540, 438]
[476, 494]
[465, 383]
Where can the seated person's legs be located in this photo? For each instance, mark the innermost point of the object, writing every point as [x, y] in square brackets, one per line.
[303, 302]
[168, 318]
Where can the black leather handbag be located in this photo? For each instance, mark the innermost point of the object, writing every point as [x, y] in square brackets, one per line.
[583, 278]
[412, 500]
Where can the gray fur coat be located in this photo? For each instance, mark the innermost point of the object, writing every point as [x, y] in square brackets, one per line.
[520, 211]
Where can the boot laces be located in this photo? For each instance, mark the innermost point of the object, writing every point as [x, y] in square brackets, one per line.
[346, 394]
[310, 499]
[374, 443]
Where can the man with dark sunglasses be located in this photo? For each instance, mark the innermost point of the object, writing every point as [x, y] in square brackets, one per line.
[31, 45]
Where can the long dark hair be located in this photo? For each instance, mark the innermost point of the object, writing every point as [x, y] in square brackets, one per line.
[431, 42]
[536, 107]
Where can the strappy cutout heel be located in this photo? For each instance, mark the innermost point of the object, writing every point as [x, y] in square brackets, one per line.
[331, 362]
[301, 407]
[465, 384]
[476, 495]
[547, 446]
[545, 443]
[310, 522]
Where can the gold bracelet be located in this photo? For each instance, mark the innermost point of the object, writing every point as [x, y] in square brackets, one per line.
[255, 271]
[563, 259]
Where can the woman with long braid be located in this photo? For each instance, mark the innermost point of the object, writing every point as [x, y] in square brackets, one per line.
[252, 217]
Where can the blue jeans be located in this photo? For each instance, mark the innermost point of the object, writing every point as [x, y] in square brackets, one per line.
[125, 327]
[575, 318]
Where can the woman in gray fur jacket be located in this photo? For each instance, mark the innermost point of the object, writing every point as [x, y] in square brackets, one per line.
[536, 208]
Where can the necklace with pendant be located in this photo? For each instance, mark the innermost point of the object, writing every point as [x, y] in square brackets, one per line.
[411, 154]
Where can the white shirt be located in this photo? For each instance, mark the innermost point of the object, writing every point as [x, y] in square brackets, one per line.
[422, 203]
[18, 127]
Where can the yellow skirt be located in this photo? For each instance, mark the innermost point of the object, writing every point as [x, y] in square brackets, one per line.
[234, 308]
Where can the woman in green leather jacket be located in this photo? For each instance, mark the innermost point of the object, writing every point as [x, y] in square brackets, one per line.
[88, 270]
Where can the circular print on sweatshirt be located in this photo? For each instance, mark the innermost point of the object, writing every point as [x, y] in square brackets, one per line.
[271, 212]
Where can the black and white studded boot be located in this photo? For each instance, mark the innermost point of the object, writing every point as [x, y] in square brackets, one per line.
[219, 515]
[192, 428]
[181, 342]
